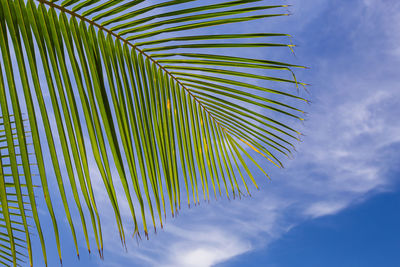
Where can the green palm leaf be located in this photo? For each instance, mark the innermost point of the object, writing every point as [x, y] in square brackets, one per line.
[180, 118]
[18, 208]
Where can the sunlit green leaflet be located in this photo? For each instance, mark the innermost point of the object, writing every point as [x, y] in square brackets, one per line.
[153, 123]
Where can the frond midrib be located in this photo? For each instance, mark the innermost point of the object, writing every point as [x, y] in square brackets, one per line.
[118, 37]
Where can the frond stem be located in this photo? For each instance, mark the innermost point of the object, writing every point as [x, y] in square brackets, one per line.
[118, 37]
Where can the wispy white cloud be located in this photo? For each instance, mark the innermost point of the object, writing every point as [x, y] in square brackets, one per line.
[208, 245]
[323, 208]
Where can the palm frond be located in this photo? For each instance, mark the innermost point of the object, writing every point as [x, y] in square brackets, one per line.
[18, 209]
[183, 117]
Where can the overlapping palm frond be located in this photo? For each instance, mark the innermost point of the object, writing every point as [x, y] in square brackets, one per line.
[15, 197]
[135, 86]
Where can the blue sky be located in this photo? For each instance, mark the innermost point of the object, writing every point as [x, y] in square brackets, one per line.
[364, 235]
[337, 202]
